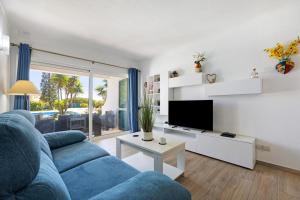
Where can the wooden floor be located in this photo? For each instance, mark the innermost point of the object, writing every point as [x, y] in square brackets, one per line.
[210, 179]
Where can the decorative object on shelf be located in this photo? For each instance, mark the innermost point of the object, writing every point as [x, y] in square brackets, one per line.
[146, 118]
[254, 73]
[162, 141]
[199, 57]
[156, 78]
[283, 54]
[211, 78]
[157, 102]
[173, 74]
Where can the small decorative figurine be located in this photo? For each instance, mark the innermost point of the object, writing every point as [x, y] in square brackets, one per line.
[173, 74]
[211, 78]
[254, 73]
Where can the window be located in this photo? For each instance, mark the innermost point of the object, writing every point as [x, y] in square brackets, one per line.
[64, 103]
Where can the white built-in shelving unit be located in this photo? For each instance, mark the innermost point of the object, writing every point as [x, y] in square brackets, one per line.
[160, 87]
[153, 90]
[186, 80]
[239, 150]
[237, 87]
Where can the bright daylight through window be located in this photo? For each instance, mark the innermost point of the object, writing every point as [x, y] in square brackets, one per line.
[64, 103]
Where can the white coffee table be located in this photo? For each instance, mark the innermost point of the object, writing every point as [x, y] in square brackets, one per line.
[152, 154]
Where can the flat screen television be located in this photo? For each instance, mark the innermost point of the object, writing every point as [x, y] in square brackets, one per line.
[197, 114]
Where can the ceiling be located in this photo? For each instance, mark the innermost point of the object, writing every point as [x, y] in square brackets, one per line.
[141, 28]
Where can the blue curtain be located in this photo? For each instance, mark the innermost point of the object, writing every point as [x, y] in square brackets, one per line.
[23, 73]
[133, 99]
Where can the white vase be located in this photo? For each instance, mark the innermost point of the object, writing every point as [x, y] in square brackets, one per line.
[147, 136]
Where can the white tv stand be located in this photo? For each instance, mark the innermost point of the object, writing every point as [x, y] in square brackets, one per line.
[239, 150]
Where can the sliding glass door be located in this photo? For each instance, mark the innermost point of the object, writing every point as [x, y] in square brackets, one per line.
[64, 102]
[123, 105]
[106, 105]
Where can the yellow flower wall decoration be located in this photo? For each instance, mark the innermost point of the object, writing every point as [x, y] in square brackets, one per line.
[283, 54]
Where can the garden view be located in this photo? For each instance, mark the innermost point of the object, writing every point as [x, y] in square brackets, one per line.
[63, 104]
[60, 92]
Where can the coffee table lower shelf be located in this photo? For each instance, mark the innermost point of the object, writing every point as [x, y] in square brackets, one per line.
[143, 163]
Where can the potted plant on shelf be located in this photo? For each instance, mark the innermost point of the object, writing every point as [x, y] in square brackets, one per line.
[146, 118]
[283, 54]
[199, 57]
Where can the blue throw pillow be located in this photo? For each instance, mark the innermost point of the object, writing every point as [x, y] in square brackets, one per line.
[63, 138]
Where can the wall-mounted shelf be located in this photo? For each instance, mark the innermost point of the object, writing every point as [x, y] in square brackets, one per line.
[186, 80]
[238, 87]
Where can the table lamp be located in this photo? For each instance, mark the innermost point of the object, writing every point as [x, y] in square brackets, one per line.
[23, 87]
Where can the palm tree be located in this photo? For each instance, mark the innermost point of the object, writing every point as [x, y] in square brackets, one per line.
[74, 87]
[71, 87]
[102, 91]
[60, 82]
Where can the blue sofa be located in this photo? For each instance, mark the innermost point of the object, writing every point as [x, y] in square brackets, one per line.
[64, 165]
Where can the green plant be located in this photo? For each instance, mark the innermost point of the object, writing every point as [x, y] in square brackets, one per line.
[84, 105]
[67, 89]
[146, 114]
[61, 106]
[102, 90]
[49, 93]
[39, 105]
[199, 57]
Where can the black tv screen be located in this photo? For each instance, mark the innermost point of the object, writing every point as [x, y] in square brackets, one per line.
[196, 114]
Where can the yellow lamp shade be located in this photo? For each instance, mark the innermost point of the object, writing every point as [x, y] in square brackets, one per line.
[23, 87]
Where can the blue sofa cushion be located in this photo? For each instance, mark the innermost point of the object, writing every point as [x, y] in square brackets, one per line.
[63, 138]
[48, 184]
[146, 186]
[25, 113]
[44, 145]
[19, 153]
[96, 176]
[28, 115]
[70, 156]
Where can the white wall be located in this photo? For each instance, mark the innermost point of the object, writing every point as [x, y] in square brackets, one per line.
[112, 100]
[272, 117]
[74, 47]
[4, 65]
[51, 40]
